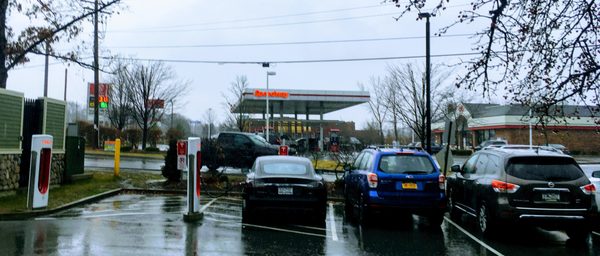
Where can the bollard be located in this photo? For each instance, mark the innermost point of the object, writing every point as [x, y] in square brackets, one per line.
[117, 157]
[39, 174]
[193, 185]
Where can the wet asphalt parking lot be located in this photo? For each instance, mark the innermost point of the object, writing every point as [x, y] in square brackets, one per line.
[131, 224]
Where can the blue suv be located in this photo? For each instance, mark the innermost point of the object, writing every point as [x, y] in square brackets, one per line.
[399, 179]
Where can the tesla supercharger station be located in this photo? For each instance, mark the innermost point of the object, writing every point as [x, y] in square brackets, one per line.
[283, 150]
[39, 173]
[182, 158]
[193, 185]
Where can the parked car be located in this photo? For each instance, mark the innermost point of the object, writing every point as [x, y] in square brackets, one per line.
[560, 147]
[522, 186]
[394, 180]
[237, 149]
[284, 183]
[594, 177]
[435, 148]
[487, 143]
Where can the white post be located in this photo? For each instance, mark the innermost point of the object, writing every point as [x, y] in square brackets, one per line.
[530, 131]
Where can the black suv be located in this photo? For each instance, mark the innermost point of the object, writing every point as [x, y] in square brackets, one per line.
[523, 186]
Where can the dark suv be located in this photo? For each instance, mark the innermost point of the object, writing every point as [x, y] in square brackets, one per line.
[399, 180]
[524, 186]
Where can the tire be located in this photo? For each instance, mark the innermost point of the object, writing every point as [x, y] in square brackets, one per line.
[436, 219]
[363, 212]
[454, 212]
[578, 235]
[247, 216]
[485, 222]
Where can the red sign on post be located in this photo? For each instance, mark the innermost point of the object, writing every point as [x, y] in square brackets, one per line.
[283, 150]
[181, 154]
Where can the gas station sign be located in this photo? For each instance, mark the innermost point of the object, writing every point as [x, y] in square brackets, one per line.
[39, 174]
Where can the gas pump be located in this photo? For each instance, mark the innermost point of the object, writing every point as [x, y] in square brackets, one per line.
[39, 174]
[334, 140]
[193, 185]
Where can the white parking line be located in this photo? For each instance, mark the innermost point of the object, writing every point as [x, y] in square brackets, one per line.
[284, 230]
[207, 205]
[473, 237]
[595, 233]
[332, 223]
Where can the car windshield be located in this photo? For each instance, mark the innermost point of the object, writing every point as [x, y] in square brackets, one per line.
[407, 164]
[544, 168]
[279, 168]
[257, 139]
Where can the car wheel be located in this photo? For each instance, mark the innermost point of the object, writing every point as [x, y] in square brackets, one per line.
[484, 219]
[436, 219]
[246, 212]
[578, 235]
[454, 212]
[363, 211]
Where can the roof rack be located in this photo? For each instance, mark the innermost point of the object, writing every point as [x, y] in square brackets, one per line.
[387, 146]
[524, 147]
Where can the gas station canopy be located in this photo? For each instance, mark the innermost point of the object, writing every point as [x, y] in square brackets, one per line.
[312, 102]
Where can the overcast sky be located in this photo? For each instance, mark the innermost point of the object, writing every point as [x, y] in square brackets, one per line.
[170, 25]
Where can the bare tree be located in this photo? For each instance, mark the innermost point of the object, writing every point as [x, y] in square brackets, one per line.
[377, 105]
[55, 21]
[408, 97]
[119, 108]
[209, 119]
[232, 100]
[147, 88]
[543, 53]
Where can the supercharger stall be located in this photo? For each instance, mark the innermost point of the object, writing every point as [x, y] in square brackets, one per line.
[39, 174]
[193, 185]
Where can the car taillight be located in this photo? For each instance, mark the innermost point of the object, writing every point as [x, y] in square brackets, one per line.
[501, 186]
[372, 179]
[442, 182]
[588, 189]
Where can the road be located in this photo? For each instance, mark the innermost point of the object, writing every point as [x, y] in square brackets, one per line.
[153, 225]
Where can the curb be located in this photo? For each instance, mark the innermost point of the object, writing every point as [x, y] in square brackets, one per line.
[36, 213]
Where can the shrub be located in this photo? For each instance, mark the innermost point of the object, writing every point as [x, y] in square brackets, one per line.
[169, 170]
[126, 148]
[153, 149]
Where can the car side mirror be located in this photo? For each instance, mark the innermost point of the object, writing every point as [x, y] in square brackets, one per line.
[596, 174]
[456, 168]
[347, 167]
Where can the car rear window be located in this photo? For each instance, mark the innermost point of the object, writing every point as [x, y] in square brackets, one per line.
[408, 164]
[285, 168]
[544, 168]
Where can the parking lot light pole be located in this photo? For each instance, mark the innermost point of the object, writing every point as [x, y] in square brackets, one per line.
[269, 73]
[428, 81]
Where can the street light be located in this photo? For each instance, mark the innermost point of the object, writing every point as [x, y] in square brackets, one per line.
[428, 81]
[269, 73]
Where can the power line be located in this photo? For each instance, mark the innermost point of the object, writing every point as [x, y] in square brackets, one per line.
[301, 61]
[255, 26]
[266, 18]
[286, 43]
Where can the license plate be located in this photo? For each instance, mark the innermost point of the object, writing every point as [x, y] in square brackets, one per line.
[551, 197]
[409, 185]
[285, 191]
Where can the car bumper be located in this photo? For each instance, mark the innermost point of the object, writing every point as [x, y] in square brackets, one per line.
[549, 218]
[415, 203]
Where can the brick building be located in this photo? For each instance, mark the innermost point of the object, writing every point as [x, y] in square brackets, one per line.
[576, 127]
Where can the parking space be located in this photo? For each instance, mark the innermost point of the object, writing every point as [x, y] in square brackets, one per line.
[153, 225]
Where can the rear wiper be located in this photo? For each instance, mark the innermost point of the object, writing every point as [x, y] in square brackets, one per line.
[415, 172]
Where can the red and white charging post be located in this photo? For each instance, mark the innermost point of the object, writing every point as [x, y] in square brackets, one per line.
[194, 159]
[39, 173]
[182, 158]
[283, 150]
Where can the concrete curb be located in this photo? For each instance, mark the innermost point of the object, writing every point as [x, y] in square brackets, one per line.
[36, 213]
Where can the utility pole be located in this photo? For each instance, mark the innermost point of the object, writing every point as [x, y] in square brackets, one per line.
[96, 79]
[46, 68]
[428, 80]
[65, 96]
